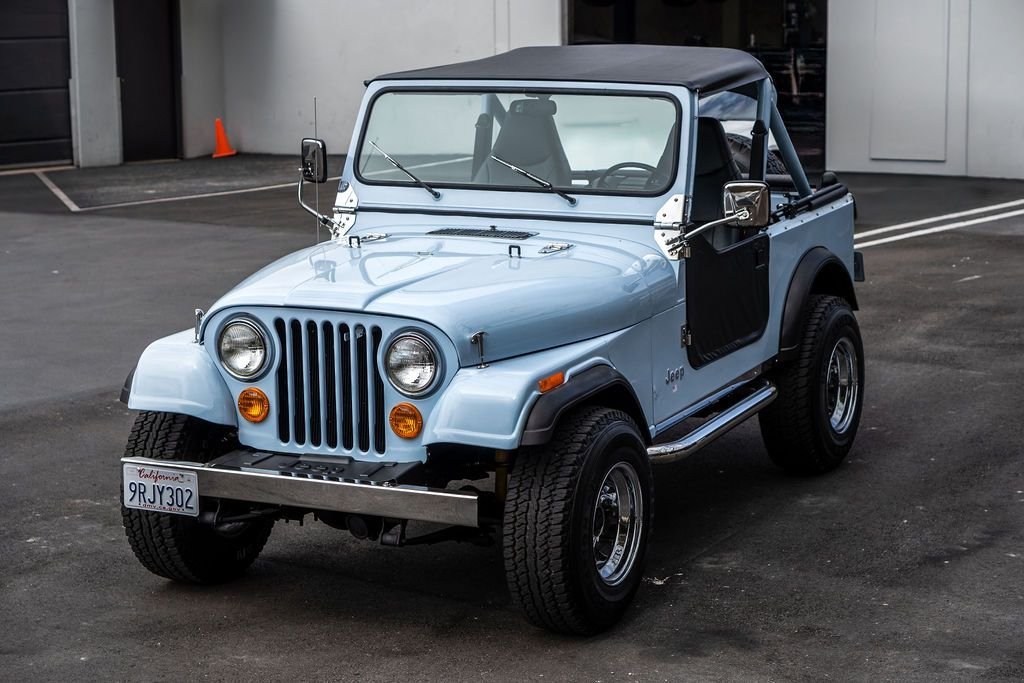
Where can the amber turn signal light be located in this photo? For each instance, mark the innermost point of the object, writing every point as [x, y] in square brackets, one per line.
[253, 404]
[406, 421]
[549, 383]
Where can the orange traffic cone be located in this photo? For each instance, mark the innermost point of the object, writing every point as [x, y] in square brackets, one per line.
[224, 148]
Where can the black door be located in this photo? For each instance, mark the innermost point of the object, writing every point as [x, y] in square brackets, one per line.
[35, 114]
[147, 64]
[726, 297]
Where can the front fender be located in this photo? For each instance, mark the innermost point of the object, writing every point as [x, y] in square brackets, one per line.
[490, 407]
[176, 375]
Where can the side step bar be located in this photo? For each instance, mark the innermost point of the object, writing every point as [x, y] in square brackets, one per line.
[714, 427]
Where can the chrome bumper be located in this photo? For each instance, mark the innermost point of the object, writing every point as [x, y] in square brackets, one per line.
[311, 491]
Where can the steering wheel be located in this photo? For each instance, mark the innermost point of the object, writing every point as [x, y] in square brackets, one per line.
[602, 181]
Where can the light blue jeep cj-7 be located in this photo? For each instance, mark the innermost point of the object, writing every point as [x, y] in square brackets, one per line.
[547, 271]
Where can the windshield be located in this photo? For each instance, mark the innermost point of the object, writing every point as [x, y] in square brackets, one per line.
[577, 143]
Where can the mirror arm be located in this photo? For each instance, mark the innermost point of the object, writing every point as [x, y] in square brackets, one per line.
[326, 221]
[739, 215]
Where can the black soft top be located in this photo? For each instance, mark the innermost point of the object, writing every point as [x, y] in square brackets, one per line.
[704, 69]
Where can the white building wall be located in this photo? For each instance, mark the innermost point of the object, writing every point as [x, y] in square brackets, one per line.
[896, 100]
[277, 55]
[995, 136]
[94, 90]
[202, 74]
[925, 86]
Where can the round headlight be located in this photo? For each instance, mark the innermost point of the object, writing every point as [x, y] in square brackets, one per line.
[411, 364]
[243, 351]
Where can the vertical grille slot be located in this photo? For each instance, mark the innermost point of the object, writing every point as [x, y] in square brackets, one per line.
[330, 385]
[345, 339]
[364, 389]
[378, 396]
[283, 418]
[330, 390]
[297, 392]
[313, 362]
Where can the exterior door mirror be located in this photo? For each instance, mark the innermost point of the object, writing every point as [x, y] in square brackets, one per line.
[747, 203]
[314, 160]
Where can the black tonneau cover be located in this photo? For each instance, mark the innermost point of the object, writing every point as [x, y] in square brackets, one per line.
[704, 69]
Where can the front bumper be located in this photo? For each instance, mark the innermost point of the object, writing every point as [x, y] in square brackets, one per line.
[336, 484]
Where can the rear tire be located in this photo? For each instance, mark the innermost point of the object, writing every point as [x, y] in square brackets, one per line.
[179, 547]
[810, 427]
[577, 520]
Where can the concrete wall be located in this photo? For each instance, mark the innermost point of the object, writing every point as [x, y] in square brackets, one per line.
[202, 74]
[94, 90]
[925, 86]
[277, 55]
[995, 136]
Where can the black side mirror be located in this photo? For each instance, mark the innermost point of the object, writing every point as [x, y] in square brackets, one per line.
[314, 160]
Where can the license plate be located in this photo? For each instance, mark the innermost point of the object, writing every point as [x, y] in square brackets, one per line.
[160, 490]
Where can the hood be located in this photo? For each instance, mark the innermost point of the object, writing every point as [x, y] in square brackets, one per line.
[525, 302]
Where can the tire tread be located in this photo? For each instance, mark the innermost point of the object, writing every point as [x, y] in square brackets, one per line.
[537, 525]
[161, 542]
[788, 425]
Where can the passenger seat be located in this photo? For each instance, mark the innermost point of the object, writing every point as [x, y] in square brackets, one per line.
[529, 139]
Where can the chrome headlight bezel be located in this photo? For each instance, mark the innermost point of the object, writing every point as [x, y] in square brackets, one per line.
[435, 353]
[263, 337]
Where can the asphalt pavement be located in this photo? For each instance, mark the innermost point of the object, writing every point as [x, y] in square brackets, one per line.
[907, 563]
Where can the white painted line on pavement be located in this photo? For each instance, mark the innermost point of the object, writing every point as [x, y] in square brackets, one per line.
[161, 200]
[938, 228]
[967, 279]
[35, 169]
[57, 192]
[415, 166]
[936, 219]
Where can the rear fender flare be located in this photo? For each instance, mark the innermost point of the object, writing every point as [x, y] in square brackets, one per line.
[819, 272]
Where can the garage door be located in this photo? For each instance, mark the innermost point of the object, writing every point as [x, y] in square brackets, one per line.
[35, 118]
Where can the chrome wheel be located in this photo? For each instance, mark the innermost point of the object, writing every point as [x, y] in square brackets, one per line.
[617, 523]
[841, 385]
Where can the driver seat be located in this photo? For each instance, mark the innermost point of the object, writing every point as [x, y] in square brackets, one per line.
[529, 139]
[713, 168]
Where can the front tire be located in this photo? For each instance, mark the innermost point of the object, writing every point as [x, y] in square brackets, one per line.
[810, 427]
[577, 520]
[179, 547]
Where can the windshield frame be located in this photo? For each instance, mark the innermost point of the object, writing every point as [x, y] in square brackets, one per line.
[554, 90]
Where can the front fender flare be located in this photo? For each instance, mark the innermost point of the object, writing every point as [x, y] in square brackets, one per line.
[177, 375]
[501, 407]
[550, 407]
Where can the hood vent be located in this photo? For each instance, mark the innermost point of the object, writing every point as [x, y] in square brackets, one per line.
[493, 233]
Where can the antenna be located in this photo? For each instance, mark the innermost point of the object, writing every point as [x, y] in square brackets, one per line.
[317, 190]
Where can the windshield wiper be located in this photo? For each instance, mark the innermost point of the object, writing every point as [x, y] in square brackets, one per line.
[540, 181]
[433, 193]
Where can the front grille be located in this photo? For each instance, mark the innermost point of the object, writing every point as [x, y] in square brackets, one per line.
[330, 390]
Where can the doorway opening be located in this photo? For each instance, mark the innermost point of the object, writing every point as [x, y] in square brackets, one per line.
[148, 68]
[788, 36]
